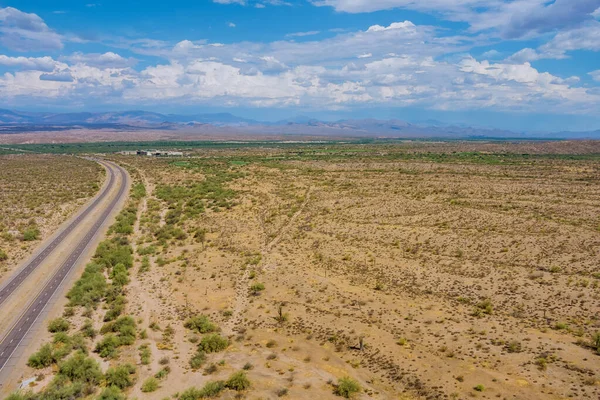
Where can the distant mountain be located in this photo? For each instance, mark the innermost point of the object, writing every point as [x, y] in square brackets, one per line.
[20, 121]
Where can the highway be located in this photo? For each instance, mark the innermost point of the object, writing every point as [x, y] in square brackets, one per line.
[27, 319]
[17, 279]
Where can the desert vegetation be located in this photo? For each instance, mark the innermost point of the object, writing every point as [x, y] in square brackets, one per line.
[38, 193]
[405, 270]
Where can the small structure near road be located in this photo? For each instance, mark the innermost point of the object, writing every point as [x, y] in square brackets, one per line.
[154, 153]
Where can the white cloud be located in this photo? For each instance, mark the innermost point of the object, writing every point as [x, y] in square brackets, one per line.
[491, 54]
[231, 25]
[582, 38]
[45, 64]
[106, 60]
[26, 32]
[511, 18]
[406, 25]
[61, 76]
[396, 65]
[524, 55]
[302, 34]
[595, 75]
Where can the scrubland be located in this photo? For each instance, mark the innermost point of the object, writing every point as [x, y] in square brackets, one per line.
[37, 194]
[416, 271]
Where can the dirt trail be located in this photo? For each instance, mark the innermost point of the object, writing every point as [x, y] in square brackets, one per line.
[241, 287]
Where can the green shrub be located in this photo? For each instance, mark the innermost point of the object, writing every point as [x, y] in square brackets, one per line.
[88, 329]
[3, 255]
[120, 376]
[198, 359]
[58, 325]
[479, 388]
[150, 385]
[145, 354]
[256, 288]
[112, 252]
[213, 343]
[200, 324]
[238, 381]
[210, 390]
[347, 387]
[514, 347]
[43, 358]
[31, 234]
[124, 326]
[111, 393]
[119, 275]
[80, 368]
[484, 307]
[90, 288]
[116, 308]
[62, 388]
[108, 346]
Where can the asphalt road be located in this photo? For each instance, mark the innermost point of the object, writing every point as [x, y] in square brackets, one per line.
[20, 329]
[15, 281]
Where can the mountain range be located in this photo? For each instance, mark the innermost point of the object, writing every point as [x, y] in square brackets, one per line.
[22, 121]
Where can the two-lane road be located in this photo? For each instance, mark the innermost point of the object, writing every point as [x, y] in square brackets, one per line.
[19, 330]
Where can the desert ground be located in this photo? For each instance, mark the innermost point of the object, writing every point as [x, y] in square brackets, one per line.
[38, 193]
[401, 271]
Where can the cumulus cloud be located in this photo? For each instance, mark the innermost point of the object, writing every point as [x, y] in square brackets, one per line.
[545, 18]
[510, 18]
[399, 64]
[21, 31]
[406, 25]
[61, 76]
[595, 75]
[44, 64]
[582, 38]
[106, 60]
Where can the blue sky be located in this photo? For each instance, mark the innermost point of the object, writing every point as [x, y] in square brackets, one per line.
[511, 64]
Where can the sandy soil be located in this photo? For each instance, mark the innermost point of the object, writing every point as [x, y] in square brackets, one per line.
[418, 273]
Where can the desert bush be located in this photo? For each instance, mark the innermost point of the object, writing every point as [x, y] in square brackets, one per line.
[210, 390]
[116, 308]
[31, 234]
[213, 343]
[88, 329]
[346, 387]
[125, 328]
[150, 385]
[256, 288]
[200, 324]
[119, 275]
[111, 393]
[484, 307]
[163, 373]
[145, 354]
[58, 325]
[42, 358]
[238, 381]
[514, 346]
[3, 255]
[108, 346]
[198, 359]
[80, 368]
[112, 252]
[90, 288]
[120, 376]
